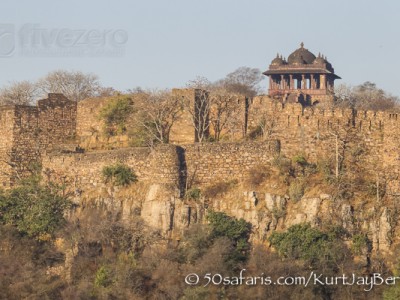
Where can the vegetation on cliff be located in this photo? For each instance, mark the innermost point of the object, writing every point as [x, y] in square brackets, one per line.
[119, 174]
[34, 209]
[101, 255]
[115, 114]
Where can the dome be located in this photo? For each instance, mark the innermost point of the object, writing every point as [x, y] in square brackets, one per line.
[319, 60]
[298, 60]
[277, 61]
[301, 54]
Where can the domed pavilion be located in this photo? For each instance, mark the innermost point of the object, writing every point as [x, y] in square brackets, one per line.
[303, 78]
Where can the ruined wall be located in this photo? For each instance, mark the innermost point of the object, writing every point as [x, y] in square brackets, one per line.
[90, 127]
[210, 163]
[160, 165]
[6, 133]
[174, 165]
[183, 132]
[57, 120]
[292, 130]
[27, 131]
[312, 131]
[87, 120]
[26, 143]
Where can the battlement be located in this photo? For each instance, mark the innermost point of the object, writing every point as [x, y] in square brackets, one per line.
[30, 132]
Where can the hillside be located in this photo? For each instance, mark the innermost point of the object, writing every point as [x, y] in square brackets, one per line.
[316, 191]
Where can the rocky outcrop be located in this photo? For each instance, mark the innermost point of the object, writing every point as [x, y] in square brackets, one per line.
[162, 209]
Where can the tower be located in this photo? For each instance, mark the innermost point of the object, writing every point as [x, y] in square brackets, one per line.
[302, 78]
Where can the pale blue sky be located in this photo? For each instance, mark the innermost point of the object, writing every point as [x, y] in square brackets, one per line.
[171, 42]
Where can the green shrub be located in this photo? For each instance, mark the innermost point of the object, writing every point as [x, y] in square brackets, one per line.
[142, 136]
[193, 194]
[392, 293]
[196, 241]
[304, 242]
[278, 212]
[283, 165]
[325, 168]
[119, 174]
[115, 115]
[196, 293]
[300, 160]
[238, 231]
[34, 209]
[306, 168]
[102, 278]
[359, 243]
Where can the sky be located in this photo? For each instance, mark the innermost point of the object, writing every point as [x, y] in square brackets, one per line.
[165, 44]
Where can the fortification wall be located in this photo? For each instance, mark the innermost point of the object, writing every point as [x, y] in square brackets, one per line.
[312, 132]
[200, 164]
[210, 163]
[27, 131]
[26, 142]
[57, 120]
[183, 131]
[6, 132]
[87, 120]
[160, 165]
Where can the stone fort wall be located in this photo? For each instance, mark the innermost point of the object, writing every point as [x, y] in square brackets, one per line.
[177, 166]
[29, 133]
[312, 131]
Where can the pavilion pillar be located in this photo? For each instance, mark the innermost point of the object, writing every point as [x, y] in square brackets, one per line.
[282, 82]
[291, 82]
[312, 81]
[322, 84]
[286, 79]
[303, 82]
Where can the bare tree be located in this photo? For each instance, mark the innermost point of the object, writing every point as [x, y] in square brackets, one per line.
[268, 125]
[20, 93]
[366, 96]
[75, 86]
[244, 81]
[159, 113]
[224, 108]
[107, 92]
[199, 108]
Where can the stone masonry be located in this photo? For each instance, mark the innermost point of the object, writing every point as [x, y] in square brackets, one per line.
[30, 134]
[27, 132]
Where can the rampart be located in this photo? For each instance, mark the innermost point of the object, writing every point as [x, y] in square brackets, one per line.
[168, 164]
[312, 131]
[30, 134]
[159, 165]
[27, 132]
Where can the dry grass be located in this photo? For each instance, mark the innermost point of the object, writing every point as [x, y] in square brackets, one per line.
[257, 175]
